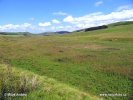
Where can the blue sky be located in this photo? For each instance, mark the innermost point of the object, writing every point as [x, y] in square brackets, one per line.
[56, 15]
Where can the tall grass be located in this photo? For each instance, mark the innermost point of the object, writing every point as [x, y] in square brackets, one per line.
[17, 81]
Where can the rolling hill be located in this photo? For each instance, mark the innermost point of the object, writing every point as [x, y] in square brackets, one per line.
[90, 65]
[16, 33]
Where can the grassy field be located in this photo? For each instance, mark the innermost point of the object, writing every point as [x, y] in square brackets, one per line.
[38, 87]
[82, 65]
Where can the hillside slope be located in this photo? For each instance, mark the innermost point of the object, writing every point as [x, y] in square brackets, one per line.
[14, 80]
[95, 62]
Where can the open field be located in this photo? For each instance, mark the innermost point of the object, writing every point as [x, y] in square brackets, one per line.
[77, 66]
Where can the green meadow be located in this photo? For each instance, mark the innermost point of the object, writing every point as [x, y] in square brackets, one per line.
[75, 66]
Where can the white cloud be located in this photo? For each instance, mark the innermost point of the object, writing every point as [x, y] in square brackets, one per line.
[130, 19]
[55, 21]
[68, 19]
[98, 3]
[70, 23]
[25, 25]
[60, 13]
[124, 7]
[45, 24]
[60, 27]
[16, 27]
[99, 18]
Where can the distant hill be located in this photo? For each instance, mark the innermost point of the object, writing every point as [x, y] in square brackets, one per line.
[53, 33]
[93, 28]
[16, 33]
[63, 32]
[29, 34]
[121, 23]
[105, 26]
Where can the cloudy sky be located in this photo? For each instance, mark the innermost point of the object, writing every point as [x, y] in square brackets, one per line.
[57, 15]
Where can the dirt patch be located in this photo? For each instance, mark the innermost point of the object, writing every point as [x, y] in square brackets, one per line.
[89, 46]
[93, 46]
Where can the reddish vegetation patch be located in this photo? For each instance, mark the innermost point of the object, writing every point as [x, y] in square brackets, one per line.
[116, 69]
[89, 46]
